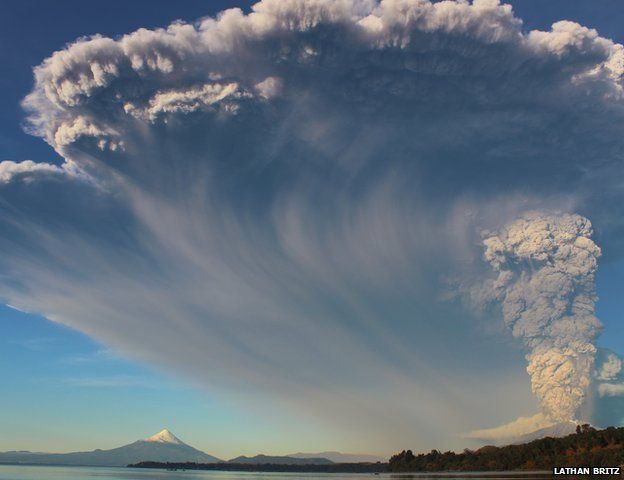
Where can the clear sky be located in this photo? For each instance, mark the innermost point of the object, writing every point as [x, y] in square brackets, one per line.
[63, 390]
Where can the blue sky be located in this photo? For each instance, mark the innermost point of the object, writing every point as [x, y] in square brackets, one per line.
[65, 391]
[62, 385]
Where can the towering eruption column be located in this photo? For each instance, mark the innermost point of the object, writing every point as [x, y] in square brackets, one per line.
[546, 268]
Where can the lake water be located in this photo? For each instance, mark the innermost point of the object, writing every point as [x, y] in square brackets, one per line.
[22, 472]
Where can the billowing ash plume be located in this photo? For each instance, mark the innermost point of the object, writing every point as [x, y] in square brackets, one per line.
[266, 203]
[546, 268]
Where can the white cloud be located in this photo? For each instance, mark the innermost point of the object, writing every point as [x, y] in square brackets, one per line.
[611, 389]
[286, 189]
[189, 100]
[269, 87]
[610, 368]
[26, 169]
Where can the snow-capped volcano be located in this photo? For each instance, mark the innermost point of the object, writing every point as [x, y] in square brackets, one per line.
[165, 436]
[162, 447]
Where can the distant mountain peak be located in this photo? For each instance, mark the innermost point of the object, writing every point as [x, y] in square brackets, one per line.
[165, 436]
[339, 457]
[162, 447]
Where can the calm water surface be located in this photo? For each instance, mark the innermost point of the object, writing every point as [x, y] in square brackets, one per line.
[22, 472]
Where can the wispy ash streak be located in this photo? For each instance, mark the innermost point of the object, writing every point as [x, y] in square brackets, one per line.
[267, 202]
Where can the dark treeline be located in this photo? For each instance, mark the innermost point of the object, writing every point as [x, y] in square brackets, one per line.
[587, 447]
[270, 467]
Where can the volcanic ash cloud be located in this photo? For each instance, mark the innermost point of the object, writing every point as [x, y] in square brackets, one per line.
[546, 268]
[268, 203]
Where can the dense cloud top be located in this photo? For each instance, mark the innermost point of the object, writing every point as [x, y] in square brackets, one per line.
[421, 53]
[454, 83]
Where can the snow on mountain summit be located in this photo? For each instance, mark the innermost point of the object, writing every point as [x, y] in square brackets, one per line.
[165, 436]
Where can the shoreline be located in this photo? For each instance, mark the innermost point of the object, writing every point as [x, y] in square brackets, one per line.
[372, 468]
